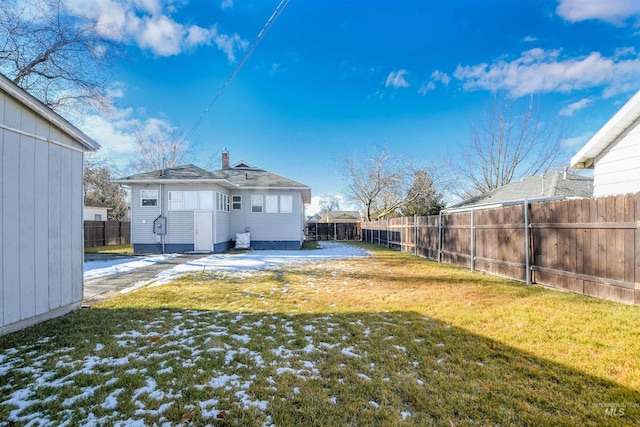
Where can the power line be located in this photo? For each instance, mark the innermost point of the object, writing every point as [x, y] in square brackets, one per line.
[267, 26]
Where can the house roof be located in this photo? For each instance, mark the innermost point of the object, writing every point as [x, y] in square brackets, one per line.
[616, 126]
[240, 176]
[553, 185]
[93, 204]
[39, 108]
[336, 216]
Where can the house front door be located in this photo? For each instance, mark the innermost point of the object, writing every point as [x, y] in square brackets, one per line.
[203, 228]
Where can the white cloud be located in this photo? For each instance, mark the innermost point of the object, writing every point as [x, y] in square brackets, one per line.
[612, 11]
[162, 35]
[540, 71]
[426, 87]
[116, 132]
[113, 133]
[575, 106]
[577, 141]
[436, 77]
[277, 68]
[530, 39]
[149, 24]
[441, 77]
[396, 79]
[229, 44]
[226, 4]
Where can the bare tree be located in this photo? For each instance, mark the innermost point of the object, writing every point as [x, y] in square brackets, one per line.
[507, 145]
[58, 58]
[158, 147]
[379, 183]
[99, 188]
[329, 203]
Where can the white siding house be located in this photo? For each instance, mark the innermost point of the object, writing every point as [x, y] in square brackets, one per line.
[614, 153]
[41, 199]
[186, 209]
[95, 211]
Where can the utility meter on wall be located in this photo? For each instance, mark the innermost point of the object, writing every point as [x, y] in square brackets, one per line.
[160, 225]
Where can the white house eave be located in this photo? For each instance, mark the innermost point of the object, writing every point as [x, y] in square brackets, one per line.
[617, 125]
[37, 106]
[223, 182]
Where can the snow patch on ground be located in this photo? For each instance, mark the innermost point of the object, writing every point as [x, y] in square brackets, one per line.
[95, 269]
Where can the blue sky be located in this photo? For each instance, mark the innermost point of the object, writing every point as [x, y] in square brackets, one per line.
[333, 79]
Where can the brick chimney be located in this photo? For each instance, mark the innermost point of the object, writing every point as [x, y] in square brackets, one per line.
[225, 159]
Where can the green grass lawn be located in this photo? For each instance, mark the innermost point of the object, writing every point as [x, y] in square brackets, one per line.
[384, 340]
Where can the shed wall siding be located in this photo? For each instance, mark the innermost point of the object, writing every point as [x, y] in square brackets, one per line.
[617, 169]
[41, 249]
[41, 196]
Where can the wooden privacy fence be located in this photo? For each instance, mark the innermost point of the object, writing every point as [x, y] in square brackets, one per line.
[106, 233]
[588, 246]
[333, 231]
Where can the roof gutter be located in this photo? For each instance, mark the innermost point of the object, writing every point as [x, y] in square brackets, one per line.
[173, 181]
[500, 205]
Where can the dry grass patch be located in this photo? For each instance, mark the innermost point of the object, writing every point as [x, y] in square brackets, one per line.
[384, 340]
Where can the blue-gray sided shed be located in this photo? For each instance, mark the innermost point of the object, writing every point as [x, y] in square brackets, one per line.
[41, 202]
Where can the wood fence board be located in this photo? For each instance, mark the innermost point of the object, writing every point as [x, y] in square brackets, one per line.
[105, 233]
[617, 263]
[588, 246]
[591, 268]
[610, 248]
[578, 207]
[629, 239]
[602, 238]
[637, 249]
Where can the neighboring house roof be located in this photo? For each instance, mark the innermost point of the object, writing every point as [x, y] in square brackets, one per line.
[616, 126]
[336, 216]
[240, 176]
[553, 185]
[93, 204]
[39, 108]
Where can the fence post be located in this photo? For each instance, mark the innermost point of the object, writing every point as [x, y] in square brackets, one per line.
[473, 241]
[527, 255]
[387, 229]
[440, 237]
[335, 232]
[378, 227]
[415, 234]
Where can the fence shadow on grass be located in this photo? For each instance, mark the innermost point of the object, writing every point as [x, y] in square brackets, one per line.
[355, 368]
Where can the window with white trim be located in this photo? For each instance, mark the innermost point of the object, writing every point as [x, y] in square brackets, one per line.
[205, 200]
[271, 204]
[222, 202]
[236, 203]
[175, 201]
[286, 204]
[256, 203]
[190, 200]
[148, 198]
